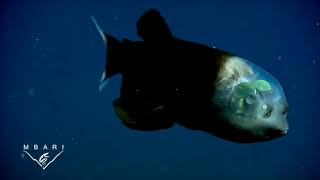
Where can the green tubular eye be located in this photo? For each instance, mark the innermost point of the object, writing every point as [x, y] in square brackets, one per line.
[262, 85]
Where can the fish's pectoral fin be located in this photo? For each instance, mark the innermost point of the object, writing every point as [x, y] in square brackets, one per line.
[140, 120]
[152, 26]
[123, 115]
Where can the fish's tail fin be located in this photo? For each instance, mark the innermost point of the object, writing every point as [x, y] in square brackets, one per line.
[113, 57]
[99, 29]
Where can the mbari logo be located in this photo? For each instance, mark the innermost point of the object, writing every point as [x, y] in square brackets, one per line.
[43, 155]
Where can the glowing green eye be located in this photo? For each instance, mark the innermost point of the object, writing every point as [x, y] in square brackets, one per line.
[262, 85]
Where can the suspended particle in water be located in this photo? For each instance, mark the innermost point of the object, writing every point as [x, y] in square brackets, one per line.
[279, 58]
[32, 92]
[74, 140]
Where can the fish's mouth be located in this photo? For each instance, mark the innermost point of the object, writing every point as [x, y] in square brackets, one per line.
[276, 134]
[284, 132]
[280, 133]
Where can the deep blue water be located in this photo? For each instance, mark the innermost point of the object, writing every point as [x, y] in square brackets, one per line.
[52, 59]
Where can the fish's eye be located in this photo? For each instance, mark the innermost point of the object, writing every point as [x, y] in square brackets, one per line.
[268, 109]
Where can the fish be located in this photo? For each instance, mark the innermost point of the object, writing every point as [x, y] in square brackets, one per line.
[169, 81]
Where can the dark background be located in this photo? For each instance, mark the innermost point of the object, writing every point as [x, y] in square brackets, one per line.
[52, 59]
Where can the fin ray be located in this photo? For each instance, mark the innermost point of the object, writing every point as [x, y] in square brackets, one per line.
[103, 82]
[99, 29]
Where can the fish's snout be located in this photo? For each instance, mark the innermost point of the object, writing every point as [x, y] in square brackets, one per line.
[284, 127]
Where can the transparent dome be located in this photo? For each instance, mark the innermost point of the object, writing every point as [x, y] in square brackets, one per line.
[250, 99]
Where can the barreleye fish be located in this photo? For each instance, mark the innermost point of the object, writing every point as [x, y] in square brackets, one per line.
[167, 81]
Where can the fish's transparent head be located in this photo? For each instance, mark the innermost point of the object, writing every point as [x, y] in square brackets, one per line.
[250, 100]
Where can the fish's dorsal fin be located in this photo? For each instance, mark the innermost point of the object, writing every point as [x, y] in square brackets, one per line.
[152, 27]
